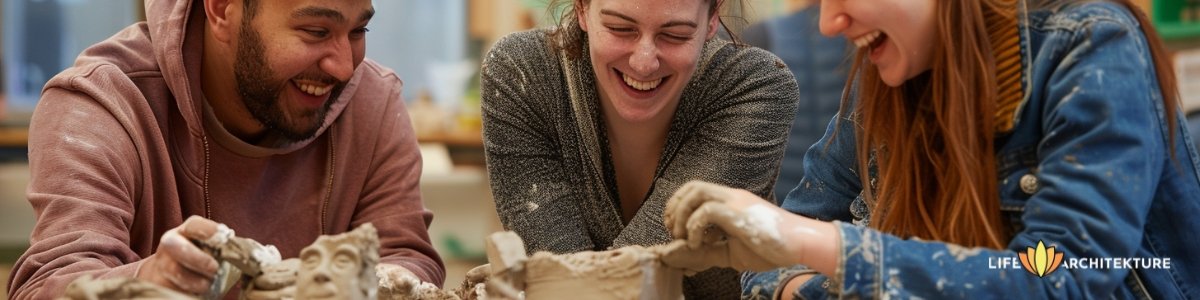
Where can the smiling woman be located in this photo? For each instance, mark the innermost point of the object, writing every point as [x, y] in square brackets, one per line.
[973, 131]
[591, 125]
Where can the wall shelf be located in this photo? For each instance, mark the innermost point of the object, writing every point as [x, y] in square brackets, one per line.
[14, 137]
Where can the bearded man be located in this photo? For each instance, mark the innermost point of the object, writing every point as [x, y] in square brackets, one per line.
[261, 115]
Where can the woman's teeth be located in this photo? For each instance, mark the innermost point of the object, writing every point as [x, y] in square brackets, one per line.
[641, 85]
[315, 90]
[866, 39]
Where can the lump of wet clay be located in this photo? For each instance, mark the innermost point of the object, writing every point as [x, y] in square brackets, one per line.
[398, 283]
[474, 285]
[277, 281]
[86, 288]
[238, 257]
[631, 272]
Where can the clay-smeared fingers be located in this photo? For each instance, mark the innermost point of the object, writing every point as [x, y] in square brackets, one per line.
[477, 275]
[197, 228]
[700, 226]
[188, 282]
[183, 265]
[684, 203]
[672, 213]
[678, 254]
[396, 280]
[187, 255]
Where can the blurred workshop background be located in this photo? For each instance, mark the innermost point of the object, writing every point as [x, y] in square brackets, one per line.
[435, 46]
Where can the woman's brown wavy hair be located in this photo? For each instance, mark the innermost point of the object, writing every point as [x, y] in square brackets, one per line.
[932, 137]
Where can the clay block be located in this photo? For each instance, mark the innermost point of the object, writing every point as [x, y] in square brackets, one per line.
[505, 252]
[631, 272]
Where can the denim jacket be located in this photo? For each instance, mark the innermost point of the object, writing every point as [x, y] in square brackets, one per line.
[1086, 170]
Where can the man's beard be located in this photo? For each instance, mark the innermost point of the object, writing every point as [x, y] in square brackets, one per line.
[260, 91]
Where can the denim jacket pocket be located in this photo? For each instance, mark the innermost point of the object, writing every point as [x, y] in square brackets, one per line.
[1017, 170]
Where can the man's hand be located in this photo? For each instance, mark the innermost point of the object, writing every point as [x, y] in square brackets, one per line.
[177, 263]
[726, 227]
[396, 282]
[474, 284]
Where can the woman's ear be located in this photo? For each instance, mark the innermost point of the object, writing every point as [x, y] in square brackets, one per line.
[581, 14]
[220, 16]
[713, 23]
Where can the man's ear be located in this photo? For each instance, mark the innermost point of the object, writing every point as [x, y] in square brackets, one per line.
[581, 14]
[221, 18]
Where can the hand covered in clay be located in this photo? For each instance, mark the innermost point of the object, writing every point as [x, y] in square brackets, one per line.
[396, 282]
[177, 263]
[726, 227]
[474, 283]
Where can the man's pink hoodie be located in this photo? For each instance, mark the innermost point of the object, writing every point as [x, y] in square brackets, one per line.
[121, 149]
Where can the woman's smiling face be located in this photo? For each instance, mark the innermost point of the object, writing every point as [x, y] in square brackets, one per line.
[645, 52]
[898, 34]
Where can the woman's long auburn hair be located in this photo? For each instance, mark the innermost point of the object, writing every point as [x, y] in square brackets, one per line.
[932, 137]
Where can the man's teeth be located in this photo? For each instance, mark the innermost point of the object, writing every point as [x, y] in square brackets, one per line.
[315, 90]
[641, 85]
[866, 39]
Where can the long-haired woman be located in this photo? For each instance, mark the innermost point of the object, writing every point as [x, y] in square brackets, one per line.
[975, 137]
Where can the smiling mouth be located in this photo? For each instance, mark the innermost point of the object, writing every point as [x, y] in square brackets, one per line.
[870, 40]
[640, 85]
[313, 88]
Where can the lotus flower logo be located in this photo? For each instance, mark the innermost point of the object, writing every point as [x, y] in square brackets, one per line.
[1040, 261]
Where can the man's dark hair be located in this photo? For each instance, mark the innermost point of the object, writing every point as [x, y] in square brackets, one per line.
[251, 8]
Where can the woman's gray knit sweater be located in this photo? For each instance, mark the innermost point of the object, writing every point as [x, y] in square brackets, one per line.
[549, 163]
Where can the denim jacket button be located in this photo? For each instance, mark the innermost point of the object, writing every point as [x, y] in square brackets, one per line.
[1029, 183]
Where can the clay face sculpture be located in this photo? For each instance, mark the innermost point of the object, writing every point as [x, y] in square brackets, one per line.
[334, 267]
[340, 266]
[345, 267]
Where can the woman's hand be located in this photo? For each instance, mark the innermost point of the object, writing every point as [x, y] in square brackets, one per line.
[726, 227]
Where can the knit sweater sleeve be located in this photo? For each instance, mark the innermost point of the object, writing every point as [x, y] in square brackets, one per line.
[533, 190]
